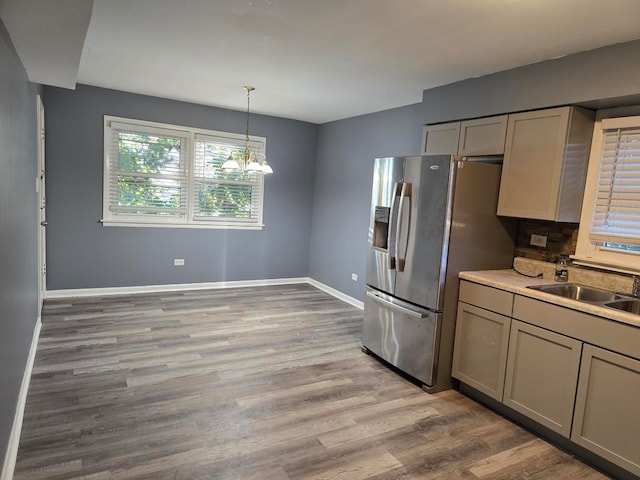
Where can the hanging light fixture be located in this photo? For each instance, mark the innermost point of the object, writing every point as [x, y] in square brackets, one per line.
[247, 161]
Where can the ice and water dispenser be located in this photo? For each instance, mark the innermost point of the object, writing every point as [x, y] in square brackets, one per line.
[381, 227]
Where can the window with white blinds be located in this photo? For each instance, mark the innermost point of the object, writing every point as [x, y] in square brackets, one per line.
[616, 212]
[609, 234]
[164, 175]
[229, 196]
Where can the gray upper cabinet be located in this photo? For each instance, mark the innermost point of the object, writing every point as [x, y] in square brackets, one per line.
[545, 164]
[482, 136]
[440, 139]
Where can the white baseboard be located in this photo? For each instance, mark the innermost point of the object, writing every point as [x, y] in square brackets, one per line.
[14, 439]
[337, 293]
[101, 292]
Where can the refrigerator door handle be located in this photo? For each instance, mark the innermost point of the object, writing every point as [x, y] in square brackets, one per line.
[394, 306]
[391, 240]
[404, 195]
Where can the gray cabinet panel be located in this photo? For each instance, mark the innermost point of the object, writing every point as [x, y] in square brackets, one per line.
[485, 297]
[609, 334]
[440, 139]
[480, 351]
[483, 136]
[607, 415]
[545, 164]
[542, 374]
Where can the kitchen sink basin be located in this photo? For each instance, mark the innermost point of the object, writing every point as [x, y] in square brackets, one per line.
[631, 305]
[575, 291]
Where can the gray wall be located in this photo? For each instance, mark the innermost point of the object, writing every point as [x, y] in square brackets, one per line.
[342, 199]
[81, 253]
[601, 78]
[329, 180]
[18, 229]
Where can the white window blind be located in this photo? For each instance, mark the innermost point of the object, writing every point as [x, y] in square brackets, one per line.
[165, 175]
[230, 197]
[147, 171]
[616, 212]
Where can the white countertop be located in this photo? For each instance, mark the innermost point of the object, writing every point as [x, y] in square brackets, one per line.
[511, 281]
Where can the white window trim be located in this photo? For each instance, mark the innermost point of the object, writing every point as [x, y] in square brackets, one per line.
[187, 221]
[588, 251]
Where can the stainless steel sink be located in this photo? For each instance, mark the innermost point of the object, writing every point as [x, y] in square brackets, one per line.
[575, 291]
[627, 305]
[595, 296]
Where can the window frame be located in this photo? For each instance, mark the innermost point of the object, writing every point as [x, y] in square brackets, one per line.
[591, 251]
[190, 136]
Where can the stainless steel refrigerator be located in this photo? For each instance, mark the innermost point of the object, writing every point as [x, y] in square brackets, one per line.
[431, 217]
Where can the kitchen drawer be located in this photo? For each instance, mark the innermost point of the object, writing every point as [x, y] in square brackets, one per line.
[489, 298]
[592, 329]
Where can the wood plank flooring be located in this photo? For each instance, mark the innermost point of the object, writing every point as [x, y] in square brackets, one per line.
[249, 384]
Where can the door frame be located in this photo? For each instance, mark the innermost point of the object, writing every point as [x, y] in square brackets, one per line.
[42, 210]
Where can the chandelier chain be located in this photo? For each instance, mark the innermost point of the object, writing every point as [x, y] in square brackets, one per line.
[249, 90]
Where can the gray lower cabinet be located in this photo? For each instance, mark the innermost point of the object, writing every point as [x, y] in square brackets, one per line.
[575, 373]
[480, 350]
[541, 377]
[607, 413]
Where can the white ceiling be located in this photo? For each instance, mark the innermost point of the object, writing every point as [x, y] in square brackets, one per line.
[48, 36]
[322, 60]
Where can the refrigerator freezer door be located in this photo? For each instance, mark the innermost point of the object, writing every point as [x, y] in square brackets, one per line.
[387, 185]
[401, 334]
[422, 230]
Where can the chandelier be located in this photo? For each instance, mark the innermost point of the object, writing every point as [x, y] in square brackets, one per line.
[247, 161]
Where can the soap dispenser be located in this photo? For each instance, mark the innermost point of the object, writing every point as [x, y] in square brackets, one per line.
[562, 271]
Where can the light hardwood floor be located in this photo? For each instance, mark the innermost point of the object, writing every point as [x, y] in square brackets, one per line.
[249, 384]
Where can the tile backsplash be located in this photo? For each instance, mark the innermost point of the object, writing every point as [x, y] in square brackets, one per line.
[561, 239]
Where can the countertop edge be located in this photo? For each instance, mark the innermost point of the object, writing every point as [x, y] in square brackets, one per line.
[513, 282]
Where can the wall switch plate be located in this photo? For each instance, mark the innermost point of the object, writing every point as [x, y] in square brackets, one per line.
[178, 262]
[354, 277]
[538, 240]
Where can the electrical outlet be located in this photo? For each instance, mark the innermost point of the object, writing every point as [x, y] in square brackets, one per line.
[538, 240]
[354, 277]
[178, 262]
